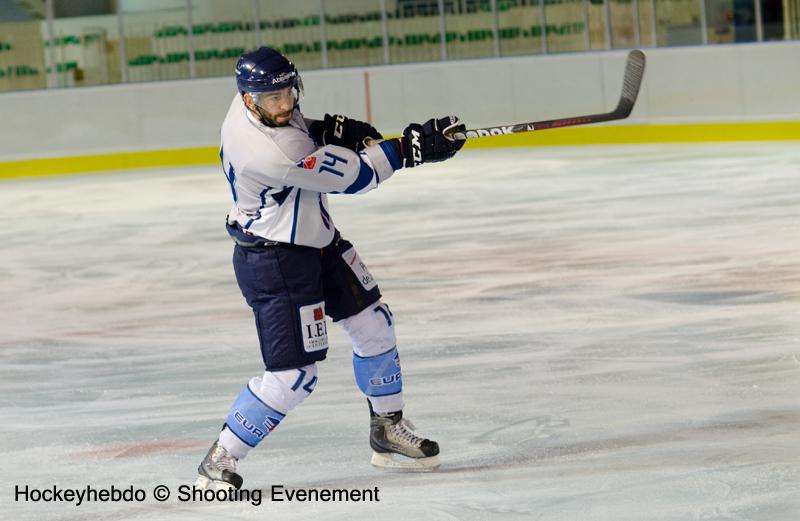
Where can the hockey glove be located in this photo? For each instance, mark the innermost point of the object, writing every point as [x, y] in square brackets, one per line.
[341, 131]
[427, 143]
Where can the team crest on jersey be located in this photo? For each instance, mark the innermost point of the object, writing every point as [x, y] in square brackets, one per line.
[308, 162]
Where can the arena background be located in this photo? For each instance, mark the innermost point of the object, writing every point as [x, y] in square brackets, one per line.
[596, 323]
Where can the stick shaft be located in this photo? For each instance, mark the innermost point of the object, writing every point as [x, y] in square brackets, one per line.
[631, 82]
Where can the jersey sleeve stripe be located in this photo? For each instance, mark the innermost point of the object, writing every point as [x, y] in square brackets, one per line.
[391, 154]
[365, 175]
[294, 217]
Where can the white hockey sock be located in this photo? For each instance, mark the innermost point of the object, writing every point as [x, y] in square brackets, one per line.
[262, 405]
[375, 362]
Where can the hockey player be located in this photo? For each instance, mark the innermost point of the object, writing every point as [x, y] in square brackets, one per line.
[294, 268]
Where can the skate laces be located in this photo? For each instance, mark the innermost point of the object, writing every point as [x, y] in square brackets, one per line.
[403, 431]
[224, 460]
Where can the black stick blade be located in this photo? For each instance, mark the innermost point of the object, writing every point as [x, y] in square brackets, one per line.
[634, 72]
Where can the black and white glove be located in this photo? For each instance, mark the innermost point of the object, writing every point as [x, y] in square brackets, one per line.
[428, 143]
[341, 131]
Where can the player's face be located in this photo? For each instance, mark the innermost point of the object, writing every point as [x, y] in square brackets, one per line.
[276, 106]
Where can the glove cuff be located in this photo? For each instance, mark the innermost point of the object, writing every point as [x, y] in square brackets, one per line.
[316, 130]
[412, 142]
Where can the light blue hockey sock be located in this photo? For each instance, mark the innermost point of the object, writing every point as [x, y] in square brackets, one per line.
[378, 375]
[250, 419]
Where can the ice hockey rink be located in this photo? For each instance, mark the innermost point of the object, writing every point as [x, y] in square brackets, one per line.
[590, 333]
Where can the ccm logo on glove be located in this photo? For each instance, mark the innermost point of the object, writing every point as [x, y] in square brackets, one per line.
[416, 147]
[429, 142]
[338, 127]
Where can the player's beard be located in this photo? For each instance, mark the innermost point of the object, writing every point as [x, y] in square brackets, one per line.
[279, 120]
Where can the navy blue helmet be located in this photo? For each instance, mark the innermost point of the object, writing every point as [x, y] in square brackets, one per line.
[264, 70]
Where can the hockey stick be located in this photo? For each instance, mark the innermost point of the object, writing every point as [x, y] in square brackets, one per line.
[634, 71]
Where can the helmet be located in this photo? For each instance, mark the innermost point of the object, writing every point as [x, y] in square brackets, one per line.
[264, 70]
[259, 74]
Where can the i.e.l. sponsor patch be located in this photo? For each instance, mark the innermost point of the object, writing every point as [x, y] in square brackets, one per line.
[314, 327]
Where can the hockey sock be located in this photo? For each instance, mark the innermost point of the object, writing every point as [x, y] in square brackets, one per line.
[250, 420]
[375, 361]
[379, 378]
[262, 405]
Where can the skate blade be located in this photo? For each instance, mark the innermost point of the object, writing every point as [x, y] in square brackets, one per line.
[204, 483]
[388, 460]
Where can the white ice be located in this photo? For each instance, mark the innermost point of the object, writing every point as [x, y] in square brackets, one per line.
[596, 333]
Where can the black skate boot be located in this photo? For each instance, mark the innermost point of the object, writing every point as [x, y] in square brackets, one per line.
[218, 470]
[396, 445]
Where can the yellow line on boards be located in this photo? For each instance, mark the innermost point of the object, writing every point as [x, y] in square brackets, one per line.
[589, 135]
[621, 134]
[107, 162]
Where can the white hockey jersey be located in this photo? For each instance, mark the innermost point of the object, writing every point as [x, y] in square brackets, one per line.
[279, 178]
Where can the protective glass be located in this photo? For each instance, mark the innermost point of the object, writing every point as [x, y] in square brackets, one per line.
[275, 100]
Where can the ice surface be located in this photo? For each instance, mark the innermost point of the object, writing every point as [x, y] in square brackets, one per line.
[597, 333]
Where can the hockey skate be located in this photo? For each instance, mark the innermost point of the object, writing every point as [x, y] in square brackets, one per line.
[396, 445]
[218, 469]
